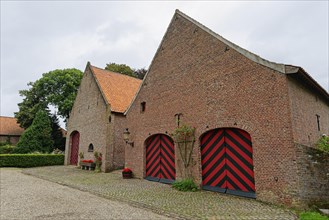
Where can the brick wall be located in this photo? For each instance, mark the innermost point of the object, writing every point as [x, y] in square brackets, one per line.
[9, 138]
[194, 74]
[305, 105]
[90, 117]
[314, 175]
[119, 123]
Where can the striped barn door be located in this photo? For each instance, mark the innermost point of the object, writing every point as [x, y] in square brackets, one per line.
[213, 161]
[227, 164]
[160, 159]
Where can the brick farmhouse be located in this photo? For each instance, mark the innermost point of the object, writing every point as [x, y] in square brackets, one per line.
[255, 121]
[96, 121]
[10, 131]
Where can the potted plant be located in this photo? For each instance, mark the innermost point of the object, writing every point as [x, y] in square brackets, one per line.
[127, 173]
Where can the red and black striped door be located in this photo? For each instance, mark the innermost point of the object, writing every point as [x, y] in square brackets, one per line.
[227, 164]
[75, 136]
[160, 159]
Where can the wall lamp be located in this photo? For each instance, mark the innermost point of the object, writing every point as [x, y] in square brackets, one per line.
[126, 137]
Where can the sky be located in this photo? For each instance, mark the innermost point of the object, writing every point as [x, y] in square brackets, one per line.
[40, 36]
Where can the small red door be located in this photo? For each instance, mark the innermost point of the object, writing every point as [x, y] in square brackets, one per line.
[160, 159]
[75, 136]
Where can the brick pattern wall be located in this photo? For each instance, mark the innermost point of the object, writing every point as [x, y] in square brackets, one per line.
[90, 117]
[194, 74]
[305, 105]
[119, 123]
[10, 138]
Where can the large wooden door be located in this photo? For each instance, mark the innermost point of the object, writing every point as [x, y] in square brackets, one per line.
[75, 136]
[160, 159]
[227, 165]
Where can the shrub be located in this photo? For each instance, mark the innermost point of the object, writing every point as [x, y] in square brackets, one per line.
[312, 216]
[323, 143]
[185, 185]
[4, 143]
[37, 137]
[6, 149]
[30, 160]
[57, 151]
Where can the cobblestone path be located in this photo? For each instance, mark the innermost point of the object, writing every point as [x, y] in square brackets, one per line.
[161, 198]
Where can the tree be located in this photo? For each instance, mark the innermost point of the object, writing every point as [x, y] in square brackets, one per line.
[140, 73]
[57, 134]
[127, 70]
[57, 88]
[120, 68]
[38, 136]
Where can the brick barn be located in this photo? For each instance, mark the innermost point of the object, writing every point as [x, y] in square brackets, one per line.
[256, 121]
[96, 121]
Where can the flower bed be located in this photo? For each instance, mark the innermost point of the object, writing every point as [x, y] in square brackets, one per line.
[87, 165]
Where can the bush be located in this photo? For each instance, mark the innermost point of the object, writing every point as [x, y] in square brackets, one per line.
[323, 143]
[185, 185]
[30, 160]
[312, 216]
[37, 137]
[6, 149]
[4, 143]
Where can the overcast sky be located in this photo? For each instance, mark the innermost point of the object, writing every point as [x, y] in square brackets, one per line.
[37, 37]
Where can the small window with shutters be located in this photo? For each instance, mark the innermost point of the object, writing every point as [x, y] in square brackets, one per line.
[91, 148]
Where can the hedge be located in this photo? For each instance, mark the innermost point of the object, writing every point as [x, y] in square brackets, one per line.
[7, 149]
[30, 160]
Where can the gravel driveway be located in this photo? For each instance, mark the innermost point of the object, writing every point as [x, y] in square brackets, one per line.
[28, 197]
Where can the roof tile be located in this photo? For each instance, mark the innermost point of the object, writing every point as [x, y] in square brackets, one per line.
[9, 126]
[118, 89]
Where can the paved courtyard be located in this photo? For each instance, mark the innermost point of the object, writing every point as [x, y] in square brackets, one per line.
[158, 198]
[28, 197]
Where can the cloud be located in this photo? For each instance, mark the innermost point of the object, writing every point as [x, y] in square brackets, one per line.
[40, 36]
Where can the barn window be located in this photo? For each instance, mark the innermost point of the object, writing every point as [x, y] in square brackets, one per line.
[110, 119]
[91, 148]
[318, 121]
[143, 106]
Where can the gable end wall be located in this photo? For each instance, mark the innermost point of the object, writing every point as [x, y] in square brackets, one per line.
[89, 118]
[214, 86]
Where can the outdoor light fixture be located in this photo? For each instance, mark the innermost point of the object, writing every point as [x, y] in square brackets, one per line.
[126, 137]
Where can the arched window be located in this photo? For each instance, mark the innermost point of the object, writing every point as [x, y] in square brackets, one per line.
[91, 148]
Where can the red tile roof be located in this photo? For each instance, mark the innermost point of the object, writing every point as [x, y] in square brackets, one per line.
[9, 126]
[118, 89]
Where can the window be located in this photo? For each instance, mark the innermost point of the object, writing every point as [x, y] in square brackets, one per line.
[318, 121]
[143, 106]
[91, 148]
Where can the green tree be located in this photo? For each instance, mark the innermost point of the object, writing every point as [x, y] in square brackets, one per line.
[120, 68]
[127, 70]
[57, 88]
[57, 134]
[38, 136]
[140, 73]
